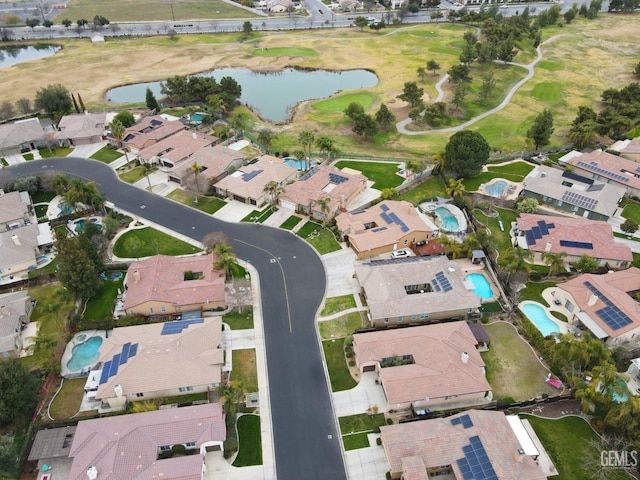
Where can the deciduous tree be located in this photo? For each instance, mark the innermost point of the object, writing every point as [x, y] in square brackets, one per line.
[18, 391]
[432, 65]
[385, 118]
[542, 129]
[54, 99]
[125, 118]
[412, 94]
[466, 153]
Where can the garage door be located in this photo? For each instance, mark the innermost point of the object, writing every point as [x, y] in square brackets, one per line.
[369, 368]
[288, 205]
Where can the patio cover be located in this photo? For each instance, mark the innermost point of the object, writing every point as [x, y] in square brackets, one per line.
[523, 437]
[591, 324]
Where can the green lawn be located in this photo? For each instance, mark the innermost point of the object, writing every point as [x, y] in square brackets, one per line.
[68, 400]
[320, 238]
[146, 242]
[384, 175]
[27, 156]
[55, 152]
[250, 441]
[337, 304]
[499, 238]
[208, 205]
[42, 196]
[258, 216]
[41, 210]
[133, 175]
[289, 51]
[568, 441]
[290, 222]
[244, 369]
[354, 429]
[340, 103]
[632, 210]
[101, 305]
[106, 154]
[547, 91]
[431, 188]
[340, 327]
[239, 320]
[339, 374]
[355, 441]
[514, 172]
[533, 291]
[513, 370]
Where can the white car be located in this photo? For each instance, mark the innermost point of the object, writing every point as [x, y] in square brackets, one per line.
[371, 19]
[404, 253]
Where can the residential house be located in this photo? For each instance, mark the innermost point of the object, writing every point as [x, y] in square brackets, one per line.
[416, 290]
[247, 184]
[51, 447]
[216, 162]
[21, 136]
[19, 250]
[81, 129]
[323, 192]
[159, 360]
[15, 311]
[148, 131]
[165, 285]
[572, 193]
[385, 227]
[573, 236]
[280, 6]
[469, 445]
[177, 148]
[629, 149]
[605, 304]
[606, 167]
[427, 367]
[350, 5]
[16, 210]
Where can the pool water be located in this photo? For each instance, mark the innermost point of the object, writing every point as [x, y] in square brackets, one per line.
[196, 117]
[448, 220]
[496, 188]
[481, 285]
[85, 354]
[295, 163]
[80, 224]
[65, 209]
[540, 319]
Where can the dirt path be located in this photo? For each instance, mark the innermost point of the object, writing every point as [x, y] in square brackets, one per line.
[554, 409]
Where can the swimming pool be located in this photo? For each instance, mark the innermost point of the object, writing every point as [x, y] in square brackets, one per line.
[448, 220]
[196, 117]
[496, 188]
[65, 209]
[295, 163]
[481, 285]
[539, 318]
[80, 224]
[85, 354]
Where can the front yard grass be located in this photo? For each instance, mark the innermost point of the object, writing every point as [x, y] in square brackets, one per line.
[354, 429]
[337, 304]
[145, 242]
[55, 152]
[513, 370]
[384, 175]
[340, 327]
[258, 216]
[431, 188]
[244, 369]
[208, 205]
[107, 154]
[339, 374]
[319, 237]
[133, 175]
[101, 305]
[239, 320]
[632, 210]
[249, 441]
[291, 222]
[68, 400]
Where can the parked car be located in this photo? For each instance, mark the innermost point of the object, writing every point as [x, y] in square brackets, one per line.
[404, 253]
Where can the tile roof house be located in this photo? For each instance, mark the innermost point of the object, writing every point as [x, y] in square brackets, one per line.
[175, 149]
[162, 285]
[21, 136]
[324, 184]
[16, 210]
[15, 310]
[160, 360]
[19, 250]
[573, 236]
[606, 167]
[247, 184]
[384, 227]
[150, 130]
[428, 367]
[136, 446]
[415, 290]
[629, 149]
[605, 304]
[279, 6]
[569, 192]
[216, 162]
[81, 128]
[475, 444]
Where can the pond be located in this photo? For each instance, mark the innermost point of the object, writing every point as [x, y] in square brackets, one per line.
[271, 95]
[13, 55]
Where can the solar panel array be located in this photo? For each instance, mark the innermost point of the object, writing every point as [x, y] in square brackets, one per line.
[537, 232]
[442, 280]
[393, 218]
[570, 243]
[110, 367]
[251, 175]
[593, 166]
[595, 188]
[309, 174]
[379, 229]
[476, 464]
[337, 179]
[171, 328]
[384, 207]
[464, 420]
[577, 178]
[579, 200]
[610, 314]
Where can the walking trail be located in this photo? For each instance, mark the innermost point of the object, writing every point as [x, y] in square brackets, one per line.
[401, 126]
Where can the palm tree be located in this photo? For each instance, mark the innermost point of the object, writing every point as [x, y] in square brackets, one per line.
[439, 159]
[471, 243]
[61, 183]
[226, 259]
[231, 395]
[515, 260]
[323, 203]
[240, 122]
[451, 247]
[272, 189]
[118, 130]
[326, 145]
[216, 104]
[196, 168]
[306, 139]
[455, 188]
[146, 171]
[555, 262]
[265, 137]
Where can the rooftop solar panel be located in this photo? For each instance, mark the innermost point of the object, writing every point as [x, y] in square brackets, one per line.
[309, 174]
[530, 238]
[115, 363]
[385, 217]
[133, 350]
[105, 372]
[251, 175]
[456, 421]
[466, 421]
[475, 465]
[124, 356]
[404, 228]
[379, 229]
[572, 244]
[593, 166]
[536, 233]
[614, 317]
[577, 178]
[542, 226]
[384, 207]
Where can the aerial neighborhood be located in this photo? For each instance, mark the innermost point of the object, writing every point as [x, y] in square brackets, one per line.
[320, 240]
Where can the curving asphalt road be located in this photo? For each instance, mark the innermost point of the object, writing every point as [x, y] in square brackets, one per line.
[292, 282]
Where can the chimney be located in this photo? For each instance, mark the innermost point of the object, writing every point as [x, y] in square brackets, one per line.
[592, 300]
[15, 239]
[194, 135]
[464, 357]
[92, 473]
[118, 390]
[136, 276]
[547, 247]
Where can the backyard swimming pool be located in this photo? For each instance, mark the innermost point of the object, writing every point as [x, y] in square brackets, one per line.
[481, 285]
[448, 219]
[85, 354]
[496, 188]
[539, 318]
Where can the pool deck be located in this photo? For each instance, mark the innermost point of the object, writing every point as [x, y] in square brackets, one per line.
[453, 210]
[68, 352]
[511, 190]
[562, 326]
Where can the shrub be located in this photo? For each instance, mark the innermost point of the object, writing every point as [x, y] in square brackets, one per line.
[352, 363]
[378, 441]
[389, 421]
[178, 449]
[535, 276]
[230, 446]
[485, 320]
[376, 429]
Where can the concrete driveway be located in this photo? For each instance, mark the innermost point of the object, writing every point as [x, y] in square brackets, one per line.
[234, 211]
[367, 463]
[340, 267]
[363, 396]
[87, 150]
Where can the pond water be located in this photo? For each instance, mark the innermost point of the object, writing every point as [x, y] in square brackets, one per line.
[13, 55]
[271, 95]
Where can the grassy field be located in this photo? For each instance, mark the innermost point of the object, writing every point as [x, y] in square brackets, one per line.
[146, 242]
[250, 441]
[513, 370]
[244, 369]
[278, 51]
[102, 303]
[336, 364]
[340, 327]
[384, 175]
[431, 188]
[208, 205]
[339, 103]
[67, 402]
[106, 154]
[291, 222]
[337, 304]
[239, 320]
